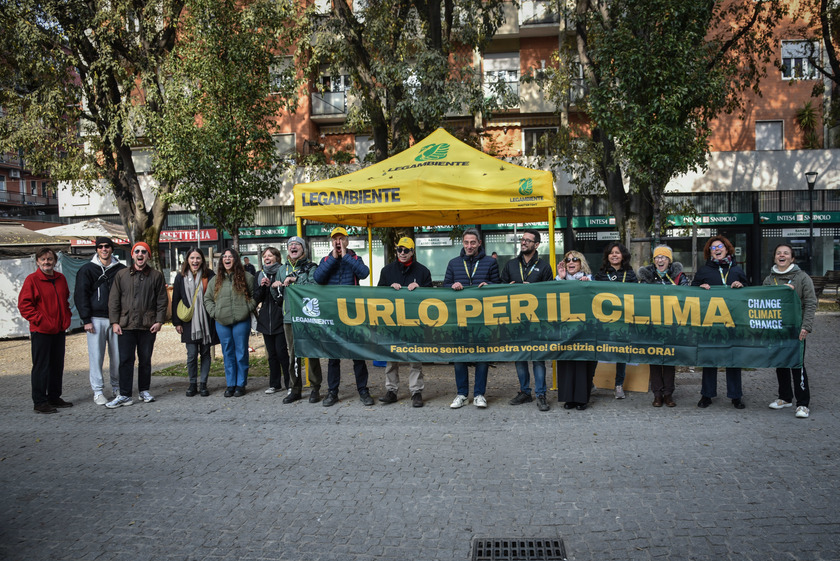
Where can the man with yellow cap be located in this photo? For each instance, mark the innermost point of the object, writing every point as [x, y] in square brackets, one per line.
[136, 309]
[343, 266]
[405, 272]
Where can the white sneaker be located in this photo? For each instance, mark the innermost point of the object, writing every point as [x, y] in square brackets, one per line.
[100, 399]
[780, 404]
[459, 401]
[271, 390]
[479, 401]
[147, 397]
[619, 392]
[802, 412]
[119, 401]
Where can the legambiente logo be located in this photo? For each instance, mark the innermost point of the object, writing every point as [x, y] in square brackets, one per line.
[526, 190]
[311, 307]
[432, 152]
[526, 186]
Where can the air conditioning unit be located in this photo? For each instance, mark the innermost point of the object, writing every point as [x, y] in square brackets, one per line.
[14, 173]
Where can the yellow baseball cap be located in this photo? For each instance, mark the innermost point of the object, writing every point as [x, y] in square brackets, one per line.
[406, 242]
[338, 230]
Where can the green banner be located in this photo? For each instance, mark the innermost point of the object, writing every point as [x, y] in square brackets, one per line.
[609, 322]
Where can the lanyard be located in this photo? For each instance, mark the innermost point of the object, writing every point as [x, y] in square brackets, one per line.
[469, 275]
[786, 282]
[723, 278]
[615, 278]
[526, 273]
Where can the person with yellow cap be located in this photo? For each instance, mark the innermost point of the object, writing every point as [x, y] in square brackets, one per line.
[405, 272]
[665, 272]
[342, 266]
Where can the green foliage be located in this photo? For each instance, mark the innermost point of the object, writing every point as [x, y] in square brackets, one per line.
[657, 73]
[808, 118]
[223, 88]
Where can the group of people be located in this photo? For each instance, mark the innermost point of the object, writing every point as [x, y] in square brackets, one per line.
[123, 307]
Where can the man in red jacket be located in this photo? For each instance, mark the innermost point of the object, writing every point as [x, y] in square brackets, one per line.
[44, 301]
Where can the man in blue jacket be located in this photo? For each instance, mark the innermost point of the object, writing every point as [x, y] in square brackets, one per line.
[472, 268]
[343, 266]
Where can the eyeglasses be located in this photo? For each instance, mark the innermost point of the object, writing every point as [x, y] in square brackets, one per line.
[526, 240]
[403, 250]
[660, 257]
[717, 246]
[572, 259]
[103, 246]
[140, 252]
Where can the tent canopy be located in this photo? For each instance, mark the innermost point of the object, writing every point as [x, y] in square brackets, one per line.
[438, 181]
[87, 229]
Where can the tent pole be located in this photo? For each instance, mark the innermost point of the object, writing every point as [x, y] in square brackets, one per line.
[370, 253]
[553, 259]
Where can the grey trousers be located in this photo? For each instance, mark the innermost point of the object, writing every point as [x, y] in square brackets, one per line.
[415, 377]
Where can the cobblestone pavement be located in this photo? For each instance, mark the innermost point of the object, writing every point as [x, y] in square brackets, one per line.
[252, 479]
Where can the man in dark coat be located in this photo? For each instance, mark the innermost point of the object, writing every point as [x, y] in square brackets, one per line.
[93, 286]
[526, 268]
[405, 272]
[472, 268]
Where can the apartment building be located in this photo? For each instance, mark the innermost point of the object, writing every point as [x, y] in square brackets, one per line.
[755, 191]
[24, 194]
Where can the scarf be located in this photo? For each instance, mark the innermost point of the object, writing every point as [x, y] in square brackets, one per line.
[200, 324]
[780, 272]
[271, 270]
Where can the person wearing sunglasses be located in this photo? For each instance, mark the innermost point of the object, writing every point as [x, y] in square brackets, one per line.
[137, 309]
[720, 270]
[93, 287]
[405, 272]
[574, 377]
[526, 268]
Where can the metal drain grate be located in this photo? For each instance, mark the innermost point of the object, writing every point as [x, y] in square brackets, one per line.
[507, 549]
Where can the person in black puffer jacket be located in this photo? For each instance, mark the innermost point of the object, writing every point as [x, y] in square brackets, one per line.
[268, 293]
[720, 270]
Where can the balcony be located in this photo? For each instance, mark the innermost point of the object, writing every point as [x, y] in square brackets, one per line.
[20, 199]
[329, 107]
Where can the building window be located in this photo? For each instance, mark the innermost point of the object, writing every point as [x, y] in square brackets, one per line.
[332, 99]
[281, 73]
[501, 78]
[796, 60]
[33, 187]
[2, 182]
[364, 148]
[44, 189]
[769, 135]
[536, 141]
[284, 144]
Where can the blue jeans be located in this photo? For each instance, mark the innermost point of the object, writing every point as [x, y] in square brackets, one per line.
[462, 378]
[194, 351]
[539, 376]
[234, 340]
[708, 384]
[620, 373]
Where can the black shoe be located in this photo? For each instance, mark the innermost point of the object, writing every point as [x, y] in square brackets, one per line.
[45, 408]
[542, 404]
[569, 405]
[521, 398]
[364, 397]
[581, 406]
[229, 391]
[314, 396]
[291, 397]
[389, 397]
[738, 404]
[704, 402]
[203, 391]
[417, 400]
[60, 403]
[239, 391]
[192, 390]
[331, 399]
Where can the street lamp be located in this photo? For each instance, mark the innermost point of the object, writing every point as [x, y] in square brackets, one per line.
[811, 178]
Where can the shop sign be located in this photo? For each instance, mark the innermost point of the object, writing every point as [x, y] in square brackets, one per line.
[799, 232]
[91, 243]
[173, 236]
[264, 232]
[798, 217]
[593, 222]
[737, 219]
[323, 230]
[607, 236]
[433, 242]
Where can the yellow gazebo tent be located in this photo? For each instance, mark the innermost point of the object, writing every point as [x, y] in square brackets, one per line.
[438, 181]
